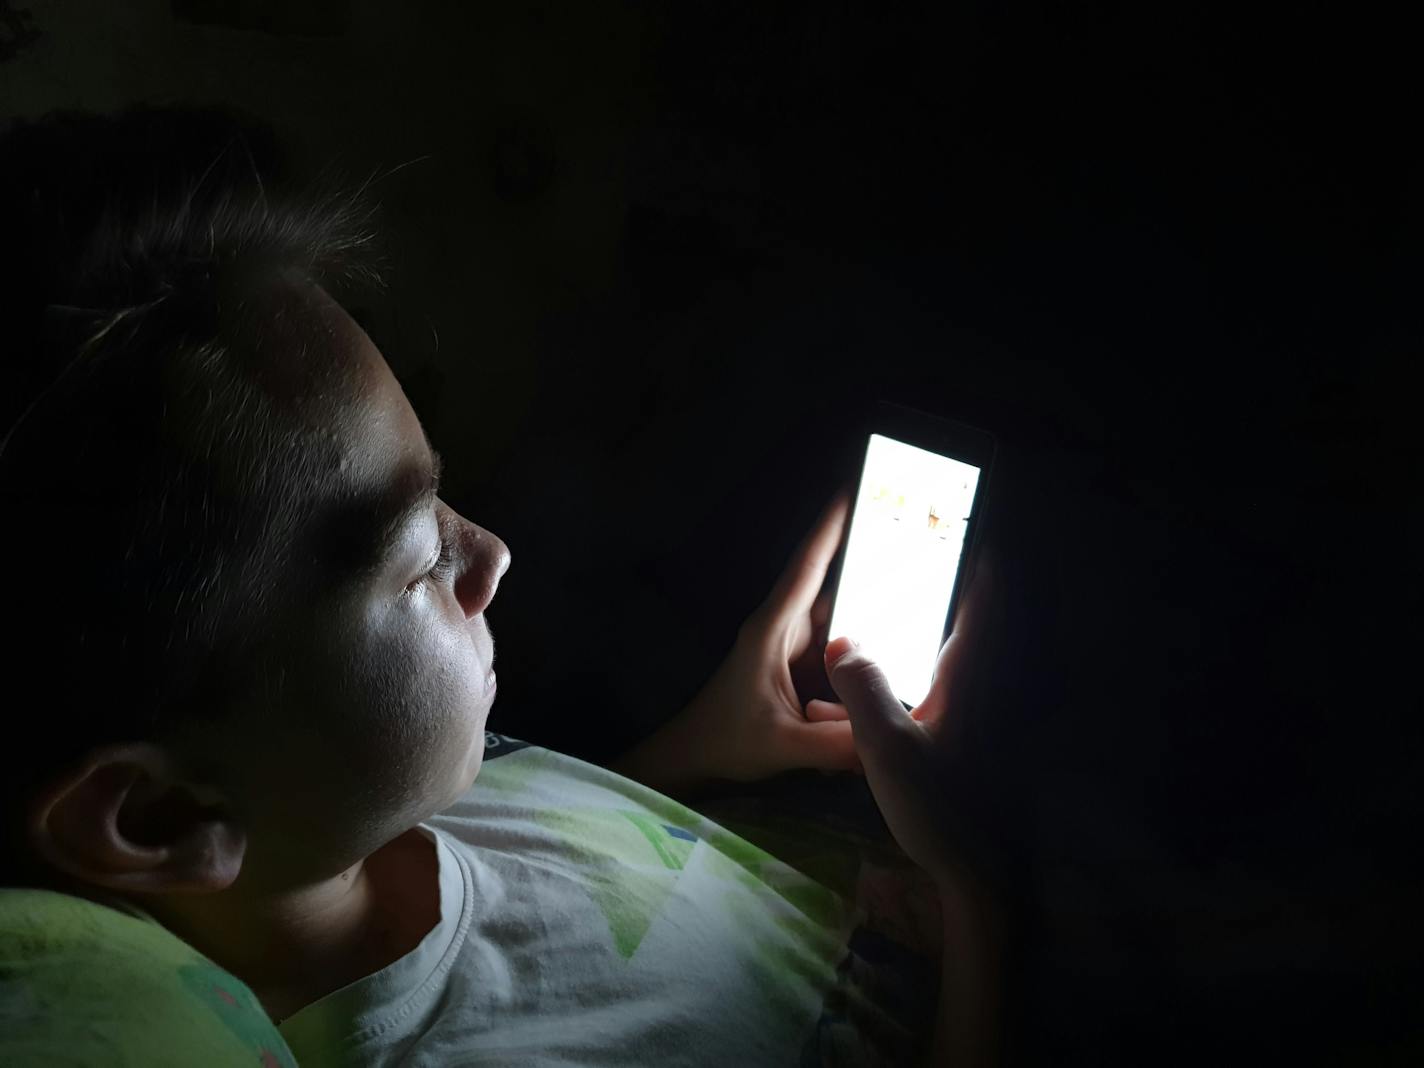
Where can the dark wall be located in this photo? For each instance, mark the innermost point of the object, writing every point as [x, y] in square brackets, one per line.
[651, 259]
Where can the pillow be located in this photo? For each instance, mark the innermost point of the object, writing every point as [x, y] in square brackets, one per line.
[85, 984]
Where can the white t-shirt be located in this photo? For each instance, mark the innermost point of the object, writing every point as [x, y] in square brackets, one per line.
[587, 920]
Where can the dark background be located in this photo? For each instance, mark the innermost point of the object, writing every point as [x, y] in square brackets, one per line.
[651, 260]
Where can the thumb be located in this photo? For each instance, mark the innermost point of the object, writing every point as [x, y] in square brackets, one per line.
[879, 721]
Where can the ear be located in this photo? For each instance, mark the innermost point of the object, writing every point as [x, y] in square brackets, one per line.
[123, 819]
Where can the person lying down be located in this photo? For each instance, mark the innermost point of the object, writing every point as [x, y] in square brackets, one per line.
[262, 672]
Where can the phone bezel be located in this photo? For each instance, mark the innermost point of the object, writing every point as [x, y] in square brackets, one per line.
[938, 434]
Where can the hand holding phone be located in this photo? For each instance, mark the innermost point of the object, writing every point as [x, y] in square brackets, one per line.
[913, 525]
[748, 722]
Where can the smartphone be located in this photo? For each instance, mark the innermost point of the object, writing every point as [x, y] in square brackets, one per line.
[911, 534]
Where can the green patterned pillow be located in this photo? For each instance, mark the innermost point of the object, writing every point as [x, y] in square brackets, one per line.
[84, 984]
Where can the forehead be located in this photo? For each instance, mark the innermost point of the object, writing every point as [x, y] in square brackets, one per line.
[374, 459]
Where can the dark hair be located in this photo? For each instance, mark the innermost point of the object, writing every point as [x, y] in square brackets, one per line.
[150, 486]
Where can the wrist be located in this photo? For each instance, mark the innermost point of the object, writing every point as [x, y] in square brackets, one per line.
[967, 1029]
[967, 910]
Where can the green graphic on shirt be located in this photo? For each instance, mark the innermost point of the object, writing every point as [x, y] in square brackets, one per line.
[632, 863]
[620, 849]
[802, 923]
[673, 849]
[759, 870]
[829, 859]
[630, 906]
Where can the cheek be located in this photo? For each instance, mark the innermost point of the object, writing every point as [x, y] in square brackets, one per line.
[455, 707]
[371, 732]
[406, 728]
[435, 690]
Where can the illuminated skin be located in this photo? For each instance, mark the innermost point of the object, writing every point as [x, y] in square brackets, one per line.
[280, 842]
[399, 665]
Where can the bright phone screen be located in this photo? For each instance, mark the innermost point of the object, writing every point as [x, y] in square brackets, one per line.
[903, 552]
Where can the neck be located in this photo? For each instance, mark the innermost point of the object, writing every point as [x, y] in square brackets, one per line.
[298, 945]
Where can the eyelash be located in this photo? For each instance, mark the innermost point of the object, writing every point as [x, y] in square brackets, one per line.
[444, 563]
[441, 569]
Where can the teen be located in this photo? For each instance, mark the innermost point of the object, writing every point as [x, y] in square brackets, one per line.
[264, 671]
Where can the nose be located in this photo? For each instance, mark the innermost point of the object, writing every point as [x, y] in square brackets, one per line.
[486, 559]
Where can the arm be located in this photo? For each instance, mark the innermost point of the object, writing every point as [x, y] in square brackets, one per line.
[967, 1019]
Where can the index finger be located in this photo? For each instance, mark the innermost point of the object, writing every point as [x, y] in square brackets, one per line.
[795, 591]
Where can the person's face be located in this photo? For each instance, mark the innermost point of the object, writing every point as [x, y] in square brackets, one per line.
[386, 677]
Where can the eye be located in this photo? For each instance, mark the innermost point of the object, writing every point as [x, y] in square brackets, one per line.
[441, 569]
[444, 562]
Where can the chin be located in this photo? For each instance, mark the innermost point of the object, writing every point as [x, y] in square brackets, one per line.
[469, 766]
[474, 760]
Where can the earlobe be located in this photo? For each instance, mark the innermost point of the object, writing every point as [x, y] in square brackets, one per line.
[208, 858]
[123, 821]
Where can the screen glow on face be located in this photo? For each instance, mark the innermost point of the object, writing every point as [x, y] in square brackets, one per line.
[903, 552]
